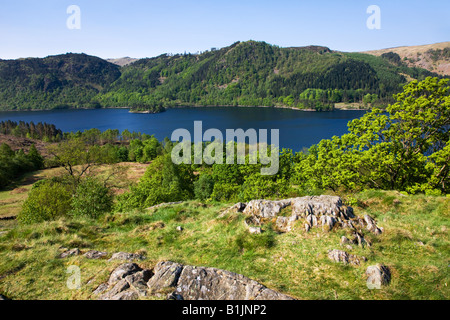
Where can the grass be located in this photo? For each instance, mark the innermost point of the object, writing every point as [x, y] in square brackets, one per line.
[414, 245]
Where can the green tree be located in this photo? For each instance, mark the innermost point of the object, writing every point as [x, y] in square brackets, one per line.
[47, 201]
[91, 199]
[404, 148]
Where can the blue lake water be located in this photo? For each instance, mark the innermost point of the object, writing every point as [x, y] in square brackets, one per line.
[298, 129]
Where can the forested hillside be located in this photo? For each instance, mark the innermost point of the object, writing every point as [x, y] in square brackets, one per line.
[63, 81]
[249, 73]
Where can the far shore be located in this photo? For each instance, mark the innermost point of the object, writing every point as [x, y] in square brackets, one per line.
[339, 106]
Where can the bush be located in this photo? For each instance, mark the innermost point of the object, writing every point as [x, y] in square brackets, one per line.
[203, 187]
[46, 201]
[92, 199]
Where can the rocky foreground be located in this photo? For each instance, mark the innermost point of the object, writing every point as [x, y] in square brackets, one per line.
[175, 281]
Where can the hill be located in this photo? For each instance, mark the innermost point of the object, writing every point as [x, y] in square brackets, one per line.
[249, 73]
[433, 57]
[61, 81]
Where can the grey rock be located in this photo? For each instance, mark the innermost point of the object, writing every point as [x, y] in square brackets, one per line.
[179, 228]
[100, 289]
[71, 252]
[203, 283]
[254, 230]
[344, 240]
[138, 281]
[119, 287]
[283, 224]
[344, 257]
[166, 274]
[122, 271]
[378, 275]
[265, 208]
[371, 224]
[125, 295]
[94, 254]
[126, 256]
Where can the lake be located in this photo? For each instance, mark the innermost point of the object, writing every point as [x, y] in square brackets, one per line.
[298, 129]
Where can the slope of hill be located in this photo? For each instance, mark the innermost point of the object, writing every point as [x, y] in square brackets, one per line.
[256, 73]
[249, 73]
[433, 57]
[68, 80]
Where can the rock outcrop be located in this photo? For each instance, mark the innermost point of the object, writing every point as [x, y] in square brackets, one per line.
[315, 211]
[184, 282]
[344, 257]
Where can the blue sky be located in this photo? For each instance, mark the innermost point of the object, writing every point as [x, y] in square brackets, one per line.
[137, 28]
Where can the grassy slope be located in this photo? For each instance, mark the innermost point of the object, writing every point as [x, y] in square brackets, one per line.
[414, 246]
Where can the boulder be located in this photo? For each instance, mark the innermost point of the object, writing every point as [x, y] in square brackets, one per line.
[344, 257]
[126, 256]
[203, 283]
[71, 252]
[265, 208]
[129, 281]
[378, 275]
[94, 254]
[371, 225]
[166, 274]
[122, 271]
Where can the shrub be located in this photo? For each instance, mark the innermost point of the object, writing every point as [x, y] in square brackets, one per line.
[203, 187]
[92, 199]
[46, 201]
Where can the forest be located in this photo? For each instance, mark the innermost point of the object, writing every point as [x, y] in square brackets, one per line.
[246, 74]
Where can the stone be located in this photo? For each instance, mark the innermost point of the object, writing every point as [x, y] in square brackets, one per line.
[344, 257]
[138, 281]
[94, 254]
[254, 230]
[179, 228]
[283, 224]
[100, 289]
[378, 275]
[122, 271]
[265, 208]
[126, 256]
[125, 295]
[71, 252]
[203, 283]
[2, 297]
[307, 227]
[166, 274]
[371, 225]
[344, 240]
[119, 287]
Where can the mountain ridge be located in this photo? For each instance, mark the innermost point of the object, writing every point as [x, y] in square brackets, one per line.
[250, 73]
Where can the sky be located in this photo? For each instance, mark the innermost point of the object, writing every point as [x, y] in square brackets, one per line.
[138, 28]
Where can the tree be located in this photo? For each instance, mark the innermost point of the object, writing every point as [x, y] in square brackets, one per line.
[163, 181]
[75, 157]
[91, 199]
[47, 201]
[405, 148]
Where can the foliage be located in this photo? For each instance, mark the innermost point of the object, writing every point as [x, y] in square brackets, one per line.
[48, 201]
[15, 164]
[163, 181]
[249, 73]
[91, 199]
[204, 186]
[405, 148]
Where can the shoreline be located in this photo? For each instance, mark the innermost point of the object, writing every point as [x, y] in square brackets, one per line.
[342, 108]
